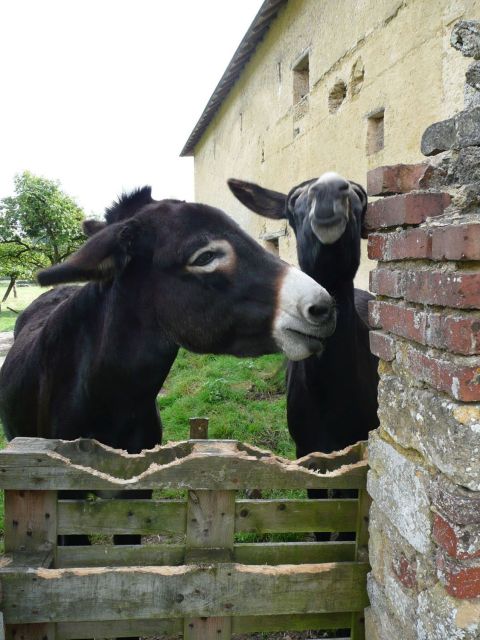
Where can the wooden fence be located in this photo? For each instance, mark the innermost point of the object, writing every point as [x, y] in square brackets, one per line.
[206, 584]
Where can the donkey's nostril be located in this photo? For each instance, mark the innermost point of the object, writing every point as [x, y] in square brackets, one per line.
[319, 311]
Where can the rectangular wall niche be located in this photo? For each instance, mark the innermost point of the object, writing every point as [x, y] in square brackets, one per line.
[375, 132]
[301, 78]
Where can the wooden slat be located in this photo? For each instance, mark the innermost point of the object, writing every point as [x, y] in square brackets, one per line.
[204, 465]
[361, 554]
[168, 627]
[210, 527]
[271, 516]
[169, 516]
[174, 554]
[293, 552]
[122, 516]
[30, 536]
[121, 555]
[67, 595]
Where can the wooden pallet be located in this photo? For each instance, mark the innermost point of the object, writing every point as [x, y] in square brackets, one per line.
[206, 584]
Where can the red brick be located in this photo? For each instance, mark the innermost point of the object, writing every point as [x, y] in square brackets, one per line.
[460, 289]
[403, 321]
[388, 282]
[456, 378]
[412, 243]
[405, 572]
[397, 178]
[453, 332]
[411, 208]
[382, 345]
[460, 242]
[459, 541]
[461, 579]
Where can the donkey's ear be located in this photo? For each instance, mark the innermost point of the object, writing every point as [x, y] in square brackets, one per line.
[270, 204]
[105, 254]
[91, 227]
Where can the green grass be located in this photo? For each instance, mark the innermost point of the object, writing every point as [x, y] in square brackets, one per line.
[243, 398]
[25, 295]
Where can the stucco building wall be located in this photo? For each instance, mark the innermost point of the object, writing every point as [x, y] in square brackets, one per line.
[259, 134]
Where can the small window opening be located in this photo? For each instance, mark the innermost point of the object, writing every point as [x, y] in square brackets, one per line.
[337, 96]
[301, 79]
[375, 132]
[272, 246]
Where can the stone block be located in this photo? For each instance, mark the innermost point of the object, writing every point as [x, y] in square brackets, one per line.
[438, 137]
[453, 168]
[467, 128]
[455, 502]
[399, 484]
[383, 616]
[442, 617]
[446, 433]
[465, 38]
[396, 565]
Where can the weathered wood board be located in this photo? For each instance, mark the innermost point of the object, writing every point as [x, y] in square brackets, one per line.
[42, 595]
[215, 465]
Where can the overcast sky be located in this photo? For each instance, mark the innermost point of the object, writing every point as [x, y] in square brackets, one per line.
[103, 94]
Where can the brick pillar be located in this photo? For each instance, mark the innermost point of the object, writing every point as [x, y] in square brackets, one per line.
[425, 456]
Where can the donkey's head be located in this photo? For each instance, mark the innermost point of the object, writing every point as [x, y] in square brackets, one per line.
[202, 281]
[325, 213]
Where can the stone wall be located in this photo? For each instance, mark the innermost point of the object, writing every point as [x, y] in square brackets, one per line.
[425, 472]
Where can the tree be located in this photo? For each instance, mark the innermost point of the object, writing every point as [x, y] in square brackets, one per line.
[39, 226]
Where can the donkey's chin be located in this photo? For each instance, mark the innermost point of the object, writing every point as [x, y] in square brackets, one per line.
[297, 345]
[329, 233]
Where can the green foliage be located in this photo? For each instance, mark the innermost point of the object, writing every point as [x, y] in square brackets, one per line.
[39, 226]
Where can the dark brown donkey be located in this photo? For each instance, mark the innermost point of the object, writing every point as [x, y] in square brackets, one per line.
[89, 361]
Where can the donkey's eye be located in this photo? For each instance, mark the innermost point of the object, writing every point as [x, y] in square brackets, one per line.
[203, 259]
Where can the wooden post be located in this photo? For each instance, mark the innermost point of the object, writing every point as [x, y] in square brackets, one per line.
[361, 555]
[198, 428]
[31, 532]
[209, 539]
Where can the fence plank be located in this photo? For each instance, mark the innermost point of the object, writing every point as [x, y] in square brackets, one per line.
[200, 591]
[122, 516]
[205, 465]
[271, 516]
[169, 516]
[168, 627]
[174, 554]
[210, 526]
[31, 531]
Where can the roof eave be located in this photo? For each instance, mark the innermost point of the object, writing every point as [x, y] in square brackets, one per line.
[250, 41]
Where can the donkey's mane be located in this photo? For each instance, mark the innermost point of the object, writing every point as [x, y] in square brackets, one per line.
[128, 204]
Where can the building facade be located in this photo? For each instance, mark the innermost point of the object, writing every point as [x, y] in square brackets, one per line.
[326, 85]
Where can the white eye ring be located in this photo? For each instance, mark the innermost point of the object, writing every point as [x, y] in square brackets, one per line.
[223, 257]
